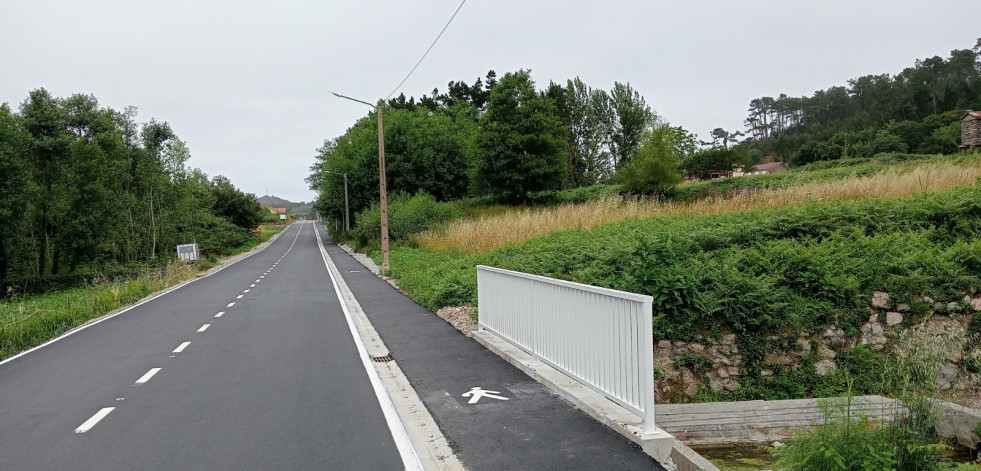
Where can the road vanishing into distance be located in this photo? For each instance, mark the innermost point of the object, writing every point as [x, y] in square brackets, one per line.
[256, 367]
[253, 367]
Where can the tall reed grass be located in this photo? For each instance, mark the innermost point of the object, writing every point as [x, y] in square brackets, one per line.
[487, 233]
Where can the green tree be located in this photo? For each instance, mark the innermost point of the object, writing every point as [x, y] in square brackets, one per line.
[943, 140]
[629, 118]
[520, 145]
[706, 163]
[814, 151]
[722, 138]
[655, 168]
[14, 179]
[46, 121]
[356, 154]
[86, 187]
[428, 152]
[239, 208]
[587, 122]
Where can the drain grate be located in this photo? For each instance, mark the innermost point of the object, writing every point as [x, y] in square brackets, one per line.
[382, 359]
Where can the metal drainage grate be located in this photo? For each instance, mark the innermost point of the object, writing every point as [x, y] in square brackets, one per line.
[382, 359]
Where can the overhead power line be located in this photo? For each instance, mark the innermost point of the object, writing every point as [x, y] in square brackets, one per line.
[427, 50]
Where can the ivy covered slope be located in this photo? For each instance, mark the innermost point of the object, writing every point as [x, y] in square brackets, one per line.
[769, 276]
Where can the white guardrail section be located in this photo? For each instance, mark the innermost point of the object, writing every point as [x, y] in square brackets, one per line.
[602, 337]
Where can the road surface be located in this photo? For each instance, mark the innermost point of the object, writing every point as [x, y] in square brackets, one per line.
[253, 367]
[256, 367]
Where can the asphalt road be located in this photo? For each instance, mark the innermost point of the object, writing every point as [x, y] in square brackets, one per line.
[190, 380]
[256, 367]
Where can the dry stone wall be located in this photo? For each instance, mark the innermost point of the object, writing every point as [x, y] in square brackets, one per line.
[686, 366]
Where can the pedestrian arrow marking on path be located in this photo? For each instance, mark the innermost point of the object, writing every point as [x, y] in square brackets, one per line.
[478, 392]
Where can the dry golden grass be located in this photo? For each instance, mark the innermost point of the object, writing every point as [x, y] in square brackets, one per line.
[516, 225]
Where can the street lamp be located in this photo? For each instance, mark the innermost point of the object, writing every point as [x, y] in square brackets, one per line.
[347, 210]
[381, 179]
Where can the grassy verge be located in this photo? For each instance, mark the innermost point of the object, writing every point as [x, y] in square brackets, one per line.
[768, 275]
[824, 171]
[514, 226]
[28, 321]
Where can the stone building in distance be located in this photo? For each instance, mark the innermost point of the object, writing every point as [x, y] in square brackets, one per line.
[971, 130]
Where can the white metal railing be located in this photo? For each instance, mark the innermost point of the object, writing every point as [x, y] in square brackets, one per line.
[602, 337]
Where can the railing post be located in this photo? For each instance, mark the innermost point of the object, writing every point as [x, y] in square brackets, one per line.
[647, 363]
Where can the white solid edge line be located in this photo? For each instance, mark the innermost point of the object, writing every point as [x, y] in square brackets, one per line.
[134, 306]
[181, 347]
[409, 457]
[85, 427]
[148, 375]
[204, 327]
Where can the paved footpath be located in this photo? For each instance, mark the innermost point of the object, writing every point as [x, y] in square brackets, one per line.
[532, 429]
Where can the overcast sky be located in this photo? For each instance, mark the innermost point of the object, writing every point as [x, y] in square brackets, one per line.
[244, 82]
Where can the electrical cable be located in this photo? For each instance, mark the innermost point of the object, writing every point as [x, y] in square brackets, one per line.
[427, 50]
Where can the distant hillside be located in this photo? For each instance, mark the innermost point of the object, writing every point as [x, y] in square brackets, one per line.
[297, 209]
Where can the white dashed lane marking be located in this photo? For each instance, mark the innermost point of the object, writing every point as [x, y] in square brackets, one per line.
[239, 296]
[85, 427]
[204, 328]
[222, 313]
[147, 376]
[230, 304]
[181, 347]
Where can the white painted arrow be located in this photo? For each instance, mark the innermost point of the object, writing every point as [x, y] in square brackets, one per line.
[478, 392]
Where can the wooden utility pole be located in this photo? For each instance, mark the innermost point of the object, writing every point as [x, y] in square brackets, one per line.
[347, 209]
[383, 191]
[381, 179]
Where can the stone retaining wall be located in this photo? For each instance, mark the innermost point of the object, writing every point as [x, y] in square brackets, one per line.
[720, 363]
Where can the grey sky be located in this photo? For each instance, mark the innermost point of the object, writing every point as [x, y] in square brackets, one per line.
[244, 82]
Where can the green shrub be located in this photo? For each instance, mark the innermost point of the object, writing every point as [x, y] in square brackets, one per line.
[975, 326]
[575, 195]
[777, 273]
[697, 363]
[406, 215]
[848, 440]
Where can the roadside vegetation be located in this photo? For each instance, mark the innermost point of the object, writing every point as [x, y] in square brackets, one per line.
[591, 185]
[92, 207]
[478, 235]
[904, 437]
[27, 321]
[88, 192]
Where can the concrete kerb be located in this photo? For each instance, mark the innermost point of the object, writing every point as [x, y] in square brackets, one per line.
[660, 445]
